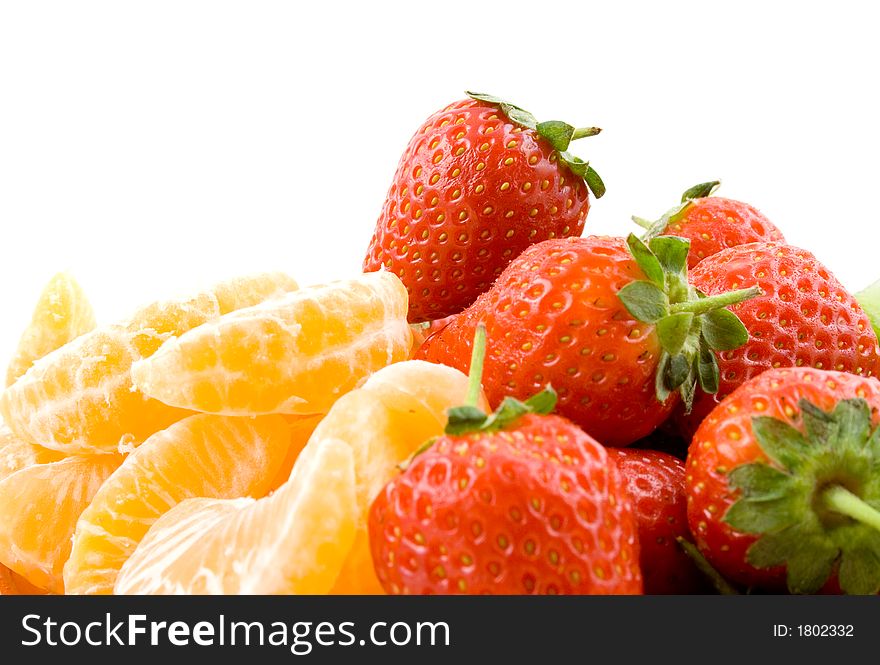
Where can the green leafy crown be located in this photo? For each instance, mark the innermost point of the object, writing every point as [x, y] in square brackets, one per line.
[816, 502]
[691, 326]
[559, 134]
[654, 229]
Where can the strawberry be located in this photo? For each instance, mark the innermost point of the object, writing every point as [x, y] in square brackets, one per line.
[804, 318]
[783, 482]
[712, 223]
[655, 482]
[517, 502]
[479, 182]
[612, 324]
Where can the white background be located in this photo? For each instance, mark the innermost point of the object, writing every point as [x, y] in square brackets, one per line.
[150, 147]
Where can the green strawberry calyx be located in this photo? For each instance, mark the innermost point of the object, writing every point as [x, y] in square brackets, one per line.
[816, 502]
[656, 228]
[691, 327]
[559, 134]
[869, 299]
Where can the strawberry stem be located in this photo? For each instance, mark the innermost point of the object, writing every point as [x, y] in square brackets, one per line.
[722, 586]
[584, 132]
[710, 303]
[841, 500]
[475, 374]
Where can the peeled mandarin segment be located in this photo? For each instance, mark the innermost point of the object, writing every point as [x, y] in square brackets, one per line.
[17, 454]
[80, 398]
[155, 323]
[7, 584]
[13, 584]
[62, 313]
[25, 588]
[199, 456]
[39, 507]
[301, 428]
[295, 354]
[292, 542]
[385, 422]
[239, 292]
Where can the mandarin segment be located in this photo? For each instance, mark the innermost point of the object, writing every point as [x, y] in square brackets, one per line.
[385, 422]
[295, 354]
[62, 313]
[39, 507]
[157, 322]
[301, 428]
[199, 456]
[293, 542]
[16, 454]
[80, 398]
[13, 584]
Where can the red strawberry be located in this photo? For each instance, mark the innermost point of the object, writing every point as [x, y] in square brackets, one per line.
[804, 318]
[479, 182]
[512, 503]
[712, 223]
[655, 482]
[611, 323]
[783, 482]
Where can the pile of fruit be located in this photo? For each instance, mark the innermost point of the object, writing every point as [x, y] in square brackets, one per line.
[499, 404]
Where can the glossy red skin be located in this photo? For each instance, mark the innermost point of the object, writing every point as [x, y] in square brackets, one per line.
[553, 316]
[714, 223]
[806, 318]
[536, 509]
[725, 441]
[655, 482]
[449, 227]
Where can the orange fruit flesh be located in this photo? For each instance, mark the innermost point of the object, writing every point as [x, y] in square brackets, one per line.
[310, 536]
[80, 399]
[303, 350]
[292, 542]
[157, 322]
[398, 409]
[301, 428]
[62, 313]
[199, 456]
[13, 584]
[41, 504]
[16, 454]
